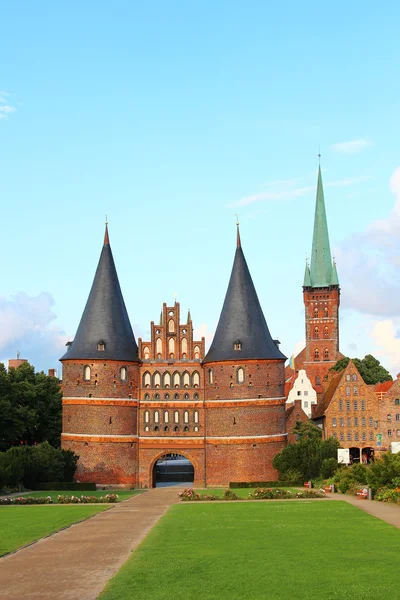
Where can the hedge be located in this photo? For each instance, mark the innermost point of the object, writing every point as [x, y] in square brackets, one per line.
[256, 484]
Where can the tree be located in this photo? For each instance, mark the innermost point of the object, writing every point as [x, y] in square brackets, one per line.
[369, 368]
[30, 407]
[307, 455]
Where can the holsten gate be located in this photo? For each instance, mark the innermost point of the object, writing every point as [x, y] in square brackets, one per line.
[125, 405]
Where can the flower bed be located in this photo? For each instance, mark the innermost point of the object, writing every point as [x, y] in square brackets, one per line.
[388, 495]
[22, 500]
[107, 499]
[277, 494]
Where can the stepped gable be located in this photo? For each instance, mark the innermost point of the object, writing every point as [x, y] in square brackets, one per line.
[105, 322]
[242, 323]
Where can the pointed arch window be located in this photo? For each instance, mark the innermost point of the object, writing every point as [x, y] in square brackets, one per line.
[156, 416]
[326, 354]
[326, 333]
[147, 416]
[316, 354]
[86, 373]
[196, 352]
[176, 380]
[166, 416]
[167, 380]
[210, 376]
[240, 375]
[146, 353]
[171, 347]
[176, 417]
[186, 379]
[186, 416]
[159, 346]
[325, 311]
[196, 416]
[146, 379]
[123, 373]
[196, 379]
[315, 312]
[171, 326]
[184, 346]
[156, 380]
[316, 333]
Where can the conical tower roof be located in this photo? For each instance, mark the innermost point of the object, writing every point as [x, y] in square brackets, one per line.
[105, 319]
[242, 322]
[321, 260]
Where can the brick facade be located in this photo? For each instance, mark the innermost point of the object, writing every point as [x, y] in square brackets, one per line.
[389, 412]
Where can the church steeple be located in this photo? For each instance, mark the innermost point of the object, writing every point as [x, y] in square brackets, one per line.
[104, 331]
[242, 332]
[321, 260]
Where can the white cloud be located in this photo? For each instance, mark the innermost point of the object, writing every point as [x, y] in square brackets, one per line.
[351, 147]
[204, 331]
[385, 336]
[293, 192]
[26, 325]
[5, 106]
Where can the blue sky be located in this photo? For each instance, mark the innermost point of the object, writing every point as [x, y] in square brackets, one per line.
[170, 118]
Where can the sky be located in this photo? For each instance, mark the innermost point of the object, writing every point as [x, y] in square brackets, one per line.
[169, 118]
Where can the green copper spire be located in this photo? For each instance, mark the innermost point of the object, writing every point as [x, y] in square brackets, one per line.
[334, 278]
[307, 279]
[321, 261]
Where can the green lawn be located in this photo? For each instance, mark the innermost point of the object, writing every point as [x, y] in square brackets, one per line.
[267, 550]
[122, 494]
[241, 492]
[20, 525]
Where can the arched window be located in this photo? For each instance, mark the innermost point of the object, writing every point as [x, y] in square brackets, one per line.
[166, 396]
[147, 416]
[210, 376]
[184, 346]
[156, 380]
[176, 396]
[240, 375]
[389, 417]
[171, 326]
[355, 390]
[186, 416]
[146, 353]
[123, 373]
[364, 422]
[389, 432]
[196, 428]
[348, 377]
[316, 354]
[326, 354]
[347, 390]
[334, 422]
[315, 312]
[158, 346]
[196, 379]
[371, 422]
[397, 417]
[325, 311]
[340, 404]
[354, 377]
[196, 352]
[171, 346]
[326, 333]
[167, 380]
[166, 416]
[186, 429]
[196, 416]
[176, 417]
[316, 333]
[186, 379]
[156, 416]
[398, 432]
[147, 396]
[176, 380]
[341, 422]
[86, 373]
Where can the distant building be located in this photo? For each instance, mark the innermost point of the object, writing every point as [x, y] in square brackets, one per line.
[294, 414]
[14, 363]
[303, 391]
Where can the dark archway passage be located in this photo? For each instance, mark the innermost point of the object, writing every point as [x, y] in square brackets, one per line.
[172, 469]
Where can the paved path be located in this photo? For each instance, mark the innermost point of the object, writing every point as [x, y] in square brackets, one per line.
[77, 562]
[382, 510]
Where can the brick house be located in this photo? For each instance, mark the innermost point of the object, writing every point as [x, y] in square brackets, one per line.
[388, 394]
[294, 414]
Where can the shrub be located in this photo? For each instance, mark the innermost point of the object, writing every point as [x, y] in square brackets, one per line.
[107, 499]
[276, 494]
[384, 472]
[328, 467]
[388, 495]
[229, 495]
[23, 500]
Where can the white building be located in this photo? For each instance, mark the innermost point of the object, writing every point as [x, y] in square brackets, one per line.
[304, 391]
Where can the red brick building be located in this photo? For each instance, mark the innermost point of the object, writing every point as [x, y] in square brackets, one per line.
[126, 406]
[321, 295]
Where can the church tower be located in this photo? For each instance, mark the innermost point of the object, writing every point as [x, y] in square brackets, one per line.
[101, 382]
[321, 293]
[244, 387]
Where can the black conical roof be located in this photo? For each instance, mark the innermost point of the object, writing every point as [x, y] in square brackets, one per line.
[242, 320]
[105, 318]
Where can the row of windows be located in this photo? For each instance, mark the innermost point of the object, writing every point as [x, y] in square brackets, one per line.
[87, 373]
[175, 429]
[389, 417]
[168, 396]
[397, 433]
[316, 312]
[348, 390]
[240, 375]
[155, 417]
[171, 347]
[325, 331]
[355, 404]
[355, 421]
[317, 355]
[349, 436]
[351, 377]
[167, 380]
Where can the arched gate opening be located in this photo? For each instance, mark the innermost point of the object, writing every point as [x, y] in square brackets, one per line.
[172, 469]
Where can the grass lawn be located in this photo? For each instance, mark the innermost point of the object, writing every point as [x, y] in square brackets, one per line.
[268, 550]
[20, 525]
[122, 494]
[241, 492]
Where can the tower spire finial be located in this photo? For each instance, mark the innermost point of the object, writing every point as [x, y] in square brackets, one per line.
[238, 243]
[106, 238]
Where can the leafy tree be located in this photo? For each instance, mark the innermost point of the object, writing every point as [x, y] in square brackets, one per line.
[369, 368]
[307, 455]
[30, 407]
[385, 471]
